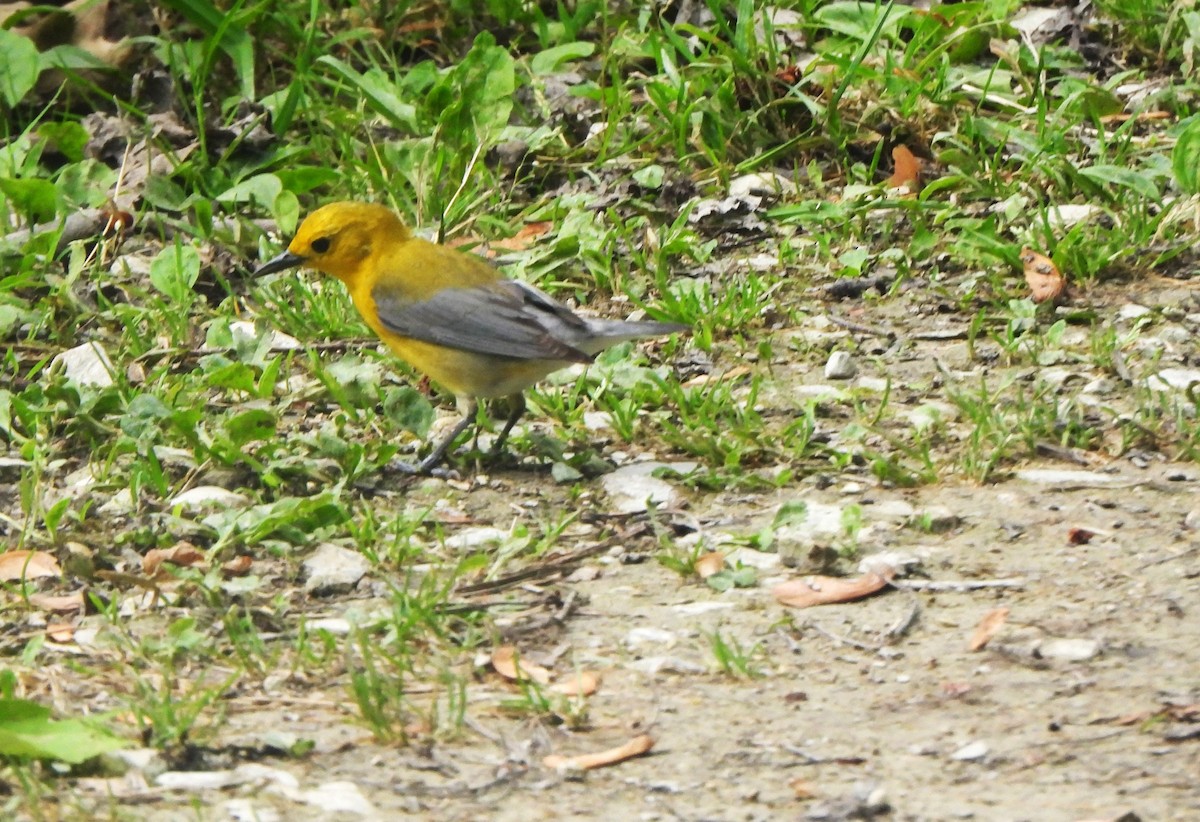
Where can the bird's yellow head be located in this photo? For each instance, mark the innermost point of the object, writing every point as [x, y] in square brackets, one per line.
[336, 239]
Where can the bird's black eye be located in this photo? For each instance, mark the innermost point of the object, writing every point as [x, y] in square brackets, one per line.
[320, 245]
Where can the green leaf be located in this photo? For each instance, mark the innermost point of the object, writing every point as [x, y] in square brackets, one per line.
[251, 426]
[175, 270]
[27, 731]
[409, 409]
[260, 190]
[379, 90]
[549, 60]
[1123, 177]
[1185, 158]
[19, 68]
[36, 199]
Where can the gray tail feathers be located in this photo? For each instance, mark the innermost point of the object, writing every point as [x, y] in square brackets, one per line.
[604, 333]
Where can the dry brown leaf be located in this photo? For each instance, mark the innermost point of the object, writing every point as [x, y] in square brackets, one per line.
[61, 631]
[1045, 282]
[182, 553]
[709, 564]
[1079, 536]
[239, 566]
[584, 762]
[63, 604]
[523, 238]
[583, 683]
[908, 169]
[954, 690]
[819, 590]
[505, 663]
[15, 565]
[724, 376]
[802, 788]
[987, 628]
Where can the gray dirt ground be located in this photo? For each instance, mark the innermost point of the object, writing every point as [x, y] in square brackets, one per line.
[922, 724]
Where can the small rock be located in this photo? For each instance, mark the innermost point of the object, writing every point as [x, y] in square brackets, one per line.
[876, 384]
[1179, 379]
[118, 504]
[469, 538]
[762, 184]
[1192, 520]
[278, 340]
[971, 751]
[695, 608]
[893, 509]
[11, 469]
[339, 797]
[654, 665]
[939, 519]
[338, 626]
[1101, 386]
[649, 636]
[1132, 311]
[204, 497]
[840, 366]
[1069, 479]
[759, 560]
[1068, 650]
[632, 490]
[333, 569]
[1069, 214]
[87, 364]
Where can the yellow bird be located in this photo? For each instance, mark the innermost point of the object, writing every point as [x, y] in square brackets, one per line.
[448, 314]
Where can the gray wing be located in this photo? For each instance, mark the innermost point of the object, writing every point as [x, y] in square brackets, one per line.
[503, 319]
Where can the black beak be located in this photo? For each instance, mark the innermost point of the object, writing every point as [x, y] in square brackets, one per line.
[284, 261]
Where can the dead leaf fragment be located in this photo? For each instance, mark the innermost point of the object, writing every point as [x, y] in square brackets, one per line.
[183, 554]
[16, 565]
[61, 631]
[724, 376]
[56, 604]
[505, 662]
[523, 238]
[1042, 275]
[584, 762]
[583, 683]
[819, 590]
[908, 169]
[239, 566]
[709, 564]
[987, 628]
[1079, 536]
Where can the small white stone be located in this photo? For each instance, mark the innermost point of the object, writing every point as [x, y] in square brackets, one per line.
[1133, 311]
[204, 497]
[332, 568]
[1173, 378]
[87, 364]
[469, 538]
[971, 751]
[649, 636]
[840, 366]
[1069, 650]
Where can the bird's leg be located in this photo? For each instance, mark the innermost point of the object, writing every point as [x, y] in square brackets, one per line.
[439, 453]
[516, 405]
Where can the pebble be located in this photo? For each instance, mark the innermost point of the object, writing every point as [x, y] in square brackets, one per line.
[840, 366]
[971, 751]
[1069, 650]
[333, 569]
[87, 364]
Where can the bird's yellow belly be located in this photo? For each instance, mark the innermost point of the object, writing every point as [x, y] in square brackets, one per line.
[468, 374]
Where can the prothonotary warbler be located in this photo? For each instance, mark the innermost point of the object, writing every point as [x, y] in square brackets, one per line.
[449, 314]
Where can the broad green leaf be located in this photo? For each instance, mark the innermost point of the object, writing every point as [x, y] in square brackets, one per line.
[28, 732]
[1185, 158]
[175, 270]
[547, 61]
[19, 68]
[379, 91]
